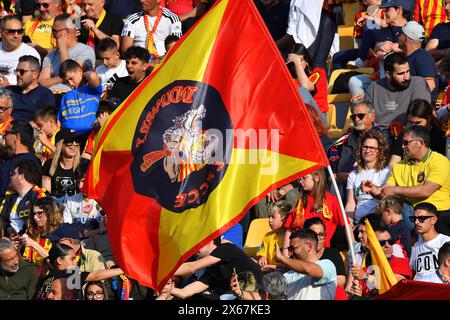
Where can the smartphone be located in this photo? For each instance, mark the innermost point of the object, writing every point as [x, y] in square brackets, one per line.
[11, 232]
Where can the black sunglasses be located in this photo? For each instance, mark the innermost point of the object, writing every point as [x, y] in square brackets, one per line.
[383, 242]
[45, 5]
[359, 115]
[420, 218]
[11, 32]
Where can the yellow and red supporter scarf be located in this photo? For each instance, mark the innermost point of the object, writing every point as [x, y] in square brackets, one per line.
[300, 214]
[151, 47]
[91, 36]
[5, 125]
[126, 288]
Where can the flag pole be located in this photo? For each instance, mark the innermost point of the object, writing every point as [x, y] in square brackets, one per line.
[344, 215]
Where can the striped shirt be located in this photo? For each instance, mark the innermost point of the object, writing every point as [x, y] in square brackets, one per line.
[429, 13]
[134, 27]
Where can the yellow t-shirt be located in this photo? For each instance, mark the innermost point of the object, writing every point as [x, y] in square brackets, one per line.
[42, 34]
[435, 168]
[267, 248]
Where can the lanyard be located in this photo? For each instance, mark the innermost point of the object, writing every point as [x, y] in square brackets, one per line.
[150, 39]
[91, 37]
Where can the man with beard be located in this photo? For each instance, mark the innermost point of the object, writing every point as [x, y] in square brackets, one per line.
[392, 95]
[28, 94]
[18, 278]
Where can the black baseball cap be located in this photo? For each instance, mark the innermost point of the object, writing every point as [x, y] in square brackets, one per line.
[68, 135]
[65, 230]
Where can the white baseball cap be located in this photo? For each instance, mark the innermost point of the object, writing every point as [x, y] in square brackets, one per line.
[414, 31]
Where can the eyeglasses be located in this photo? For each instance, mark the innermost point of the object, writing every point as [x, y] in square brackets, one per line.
[71, 143]
[12, 32]
[4, 109]
[39, 213]
[407, 142]
[383, 242]
[44, 4]
[420, 218]
[22, 71]
[55, 32]
[98, 294]
[369, 148]
[292, 248]
[321, 235]
[359, 115]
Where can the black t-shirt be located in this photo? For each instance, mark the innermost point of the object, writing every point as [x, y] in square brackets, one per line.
[27, 7]
[111, 25]
[64, 181]
[123, 8]
[335, 257]
[45, 286]
[25, 105]
[442, 33]
[122, 88]
[217, 276]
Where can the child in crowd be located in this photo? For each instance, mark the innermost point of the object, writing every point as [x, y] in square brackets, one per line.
[79, 106]
[314, 79]
[390, 211]
[46, 125]
[278, 213]
[370, 16]
[81, 210]
[113, 67]
[315, 201]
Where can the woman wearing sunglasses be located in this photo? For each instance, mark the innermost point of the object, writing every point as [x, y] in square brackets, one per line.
[421, 113]
[59, 172]
[44, 218]
[371, 165]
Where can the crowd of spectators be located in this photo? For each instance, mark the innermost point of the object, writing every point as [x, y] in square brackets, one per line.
[65, 65]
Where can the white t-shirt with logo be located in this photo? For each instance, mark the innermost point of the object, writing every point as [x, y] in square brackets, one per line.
[304, 287]
[109, 76]
[424, 256]
[365, 203]
[16, 221]
[10, 60]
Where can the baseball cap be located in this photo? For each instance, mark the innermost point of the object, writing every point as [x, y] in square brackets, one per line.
[414, 31]
[405, 4]
[65, 230]
[67, 135]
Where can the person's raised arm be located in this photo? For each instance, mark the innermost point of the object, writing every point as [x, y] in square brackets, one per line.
[103, 274]
[310, 268]
[189, 290]
[191, 267]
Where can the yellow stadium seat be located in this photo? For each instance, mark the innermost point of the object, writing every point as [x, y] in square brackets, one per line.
[333, 78]
[336, 133]
[331, 116]
[346, 41]
[255, 235]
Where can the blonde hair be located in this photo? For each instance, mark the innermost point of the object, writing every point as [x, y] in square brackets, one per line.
[57, 158]
[282, 207]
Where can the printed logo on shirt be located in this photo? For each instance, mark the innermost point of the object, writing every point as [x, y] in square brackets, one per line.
[391, 105]
[426, 261]
[421, 177]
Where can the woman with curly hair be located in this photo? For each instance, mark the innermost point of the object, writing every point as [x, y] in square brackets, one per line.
[371, 165]
[44, 218]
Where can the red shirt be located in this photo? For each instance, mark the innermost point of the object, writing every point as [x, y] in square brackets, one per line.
[333, 219]
[181, 7]
[318, 78]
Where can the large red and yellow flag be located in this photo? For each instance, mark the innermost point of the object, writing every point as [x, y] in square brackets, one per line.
[199, 142]
[385, 276]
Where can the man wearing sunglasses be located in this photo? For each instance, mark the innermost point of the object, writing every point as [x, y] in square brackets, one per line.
[29, 96]
[12, 48]
[365, 280]
[309, 278]
[6, 108]
[424, 256]
[342, 153]
[39, 29]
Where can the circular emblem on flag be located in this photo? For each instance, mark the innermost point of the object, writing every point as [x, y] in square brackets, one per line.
[179, 147]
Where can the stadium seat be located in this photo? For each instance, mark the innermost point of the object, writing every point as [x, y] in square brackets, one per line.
[346, 41]
[256, 232]
[337, 72]
[350, 10]
[331, 116]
